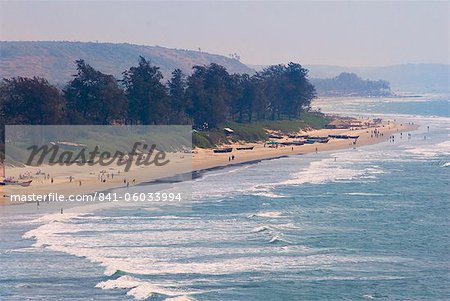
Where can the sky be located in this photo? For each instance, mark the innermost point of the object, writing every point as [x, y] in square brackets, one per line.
[323, 33]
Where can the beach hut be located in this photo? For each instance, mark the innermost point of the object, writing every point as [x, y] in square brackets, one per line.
[228, 131]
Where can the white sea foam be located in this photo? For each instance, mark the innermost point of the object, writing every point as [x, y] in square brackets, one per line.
[324, 171]
[263, 189]
[278, 239]
[180, 298]
[364, 193]
[268, 214]
[119, 245]
[262, 229]
[140, 289]
[431, 150]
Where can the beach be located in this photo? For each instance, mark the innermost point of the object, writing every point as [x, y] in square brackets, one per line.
[80, 180]
[348, 222]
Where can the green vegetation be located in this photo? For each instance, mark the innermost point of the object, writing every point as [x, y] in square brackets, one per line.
[315, 120]
[210, 96]
[351, 84]
[257, 131]
[209, 100]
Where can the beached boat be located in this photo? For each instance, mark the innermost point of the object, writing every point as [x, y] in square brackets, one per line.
[223, 150]
[275, 136]
[343, 136]
[325, 140]
[310, 141]
[298, 136]
[18, 183]
[293, 143]
[245, 148]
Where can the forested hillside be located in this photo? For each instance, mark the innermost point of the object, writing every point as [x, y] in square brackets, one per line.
[349, 84]
[55, 60]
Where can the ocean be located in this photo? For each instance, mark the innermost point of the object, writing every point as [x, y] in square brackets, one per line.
[370, 223]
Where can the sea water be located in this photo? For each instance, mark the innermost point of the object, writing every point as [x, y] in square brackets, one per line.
[358, 224]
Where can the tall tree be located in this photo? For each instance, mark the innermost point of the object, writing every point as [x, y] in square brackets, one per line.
[273, 83]
[298, 91]
[147, 96]
[179, 103]
[208, 91]
[30, 101]
[94, 97]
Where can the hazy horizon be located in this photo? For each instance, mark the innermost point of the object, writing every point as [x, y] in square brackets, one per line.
[347, 34]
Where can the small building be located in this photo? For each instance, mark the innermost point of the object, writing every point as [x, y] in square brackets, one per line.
[338, 124]
[228, 131]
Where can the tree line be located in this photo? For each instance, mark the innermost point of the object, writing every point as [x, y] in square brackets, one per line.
[351, 84]
[205, 99]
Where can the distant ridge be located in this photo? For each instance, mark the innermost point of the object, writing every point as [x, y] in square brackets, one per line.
[404, 77]
[55, 60]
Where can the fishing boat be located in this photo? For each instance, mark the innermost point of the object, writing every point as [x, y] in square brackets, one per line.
[245, 148]
[287, 143]
[275, 136]
[310, 141]
[223, 150]
[343, 137]
[324, 140]
[14, 182]
[298, 136]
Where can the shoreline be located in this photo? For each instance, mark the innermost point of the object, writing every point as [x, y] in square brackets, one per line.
[204, 160]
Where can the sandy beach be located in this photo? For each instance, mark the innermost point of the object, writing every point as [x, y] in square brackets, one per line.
[84, 180]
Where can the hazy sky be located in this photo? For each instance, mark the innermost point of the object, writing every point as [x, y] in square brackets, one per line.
[336, 33]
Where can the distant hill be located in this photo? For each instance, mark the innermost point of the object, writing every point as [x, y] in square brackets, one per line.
[407, 77]
[349, 84]
[55, 60]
